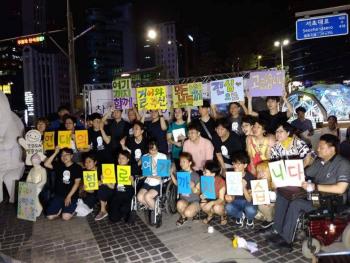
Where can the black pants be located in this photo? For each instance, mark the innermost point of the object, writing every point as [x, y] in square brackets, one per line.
[120, 205]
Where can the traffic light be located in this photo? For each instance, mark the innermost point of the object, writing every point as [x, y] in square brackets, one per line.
[30, 40]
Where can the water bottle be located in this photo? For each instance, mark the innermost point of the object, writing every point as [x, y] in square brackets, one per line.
[309, 190]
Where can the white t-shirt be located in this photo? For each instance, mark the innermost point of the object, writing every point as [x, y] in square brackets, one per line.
[155, 181]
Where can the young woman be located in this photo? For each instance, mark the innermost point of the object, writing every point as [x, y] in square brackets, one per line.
[235, 118]
[151, 187]
[332, 126]
[217, 206]
[188, 205]
[90, 164]
[42, 124]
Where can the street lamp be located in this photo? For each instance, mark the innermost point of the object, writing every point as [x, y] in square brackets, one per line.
[281, 44]
[152, 34]
[259, 57]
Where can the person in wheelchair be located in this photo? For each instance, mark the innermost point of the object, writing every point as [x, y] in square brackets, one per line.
[330, 174]
[151, 187]
[188, 205]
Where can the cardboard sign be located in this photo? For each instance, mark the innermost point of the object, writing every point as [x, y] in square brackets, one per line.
[90, 180]
[185, 95]
[234, 183]
[122, 96]
[208, 187]
[64, 139]
[108, 173]
[49, 141]
[100, 100]
[183, 183]
[33, 145]
[81, 139]
[226, 90]
[146, 162]
[163, 168]
[295, 172]
[260, 192]
[123, 174]
[27, 196]
[177, 132]
[266, 83]
[152, 98]
[278, 173]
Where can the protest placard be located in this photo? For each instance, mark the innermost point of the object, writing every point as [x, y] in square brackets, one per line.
[27, 198]
[208, 187]
[295, 172]
[183, 183]
[122, 95]
[49, 141]
[81, 139]
[163, 168]
[152, 98]
[178, 132]
[124, 174]
[64, 139]
[90, 180]
[187, 95]
[226, 90]
[146, 162]
[278, 173]
[266, 83]
[260, 192]
[108, 173]
[100, 100]
[234, 183]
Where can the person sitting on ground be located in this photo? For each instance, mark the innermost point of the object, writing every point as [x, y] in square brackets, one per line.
[67, 181]
[217, 206]
[151, 187]
[241, 207]
[332, 126]
[188, 205]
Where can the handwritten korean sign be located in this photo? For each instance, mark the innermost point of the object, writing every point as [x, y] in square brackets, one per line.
[163, 168]
[185, 95]
[64, 139]
[124, 174]
[260, 192]
[152, 98]
[287, 173]
[146, 162]
[108, 173]
[81, 139]
[183, 183]
[234, 183]
[90, 180]
[122, 96]
[226, 90]
[27, 198]
[49, 141]
[266, 83]
[208, 187]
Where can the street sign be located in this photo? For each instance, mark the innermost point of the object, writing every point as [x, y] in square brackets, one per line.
[322, 26]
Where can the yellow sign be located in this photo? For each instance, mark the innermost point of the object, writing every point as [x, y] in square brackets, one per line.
[49, 141]
[90, 180]
[187, 95]
[81, 139]
[123, 174]
[64, 139]
[108, 173]
[152, 98]
[6, 89]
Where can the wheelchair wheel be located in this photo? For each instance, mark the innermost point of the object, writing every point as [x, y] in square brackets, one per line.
[170, 200]
[307, 251]
[346, 237]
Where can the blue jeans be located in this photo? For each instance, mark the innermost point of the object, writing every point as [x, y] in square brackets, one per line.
[238, 206]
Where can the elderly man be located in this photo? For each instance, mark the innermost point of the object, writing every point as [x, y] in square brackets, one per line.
[330, 174]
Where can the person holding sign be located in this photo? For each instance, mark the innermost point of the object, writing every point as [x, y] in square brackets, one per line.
[241, 207]
[188, 203]
[235, 118]
[68, 176]
[151, 186]
[217, 206]
[90, 182]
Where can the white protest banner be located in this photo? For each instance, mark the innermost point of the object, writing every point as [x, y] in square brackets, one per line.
[260, 192]
[278, 173]
[226, 90]
[234, 184]
[295, 172]
[100, 100]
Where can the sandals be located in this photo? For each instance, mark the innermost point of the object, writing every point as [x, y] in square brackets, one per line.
[208, 220]
[223, 220]
[181, 221]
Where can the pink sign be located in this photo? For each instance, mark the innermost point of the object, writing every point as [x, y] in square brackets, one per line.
[266, 83]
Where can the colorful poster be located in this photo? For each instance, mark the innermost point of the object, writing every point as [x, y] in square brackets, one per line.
[122, 96]
[278, 173]
[266, 83]
[226, 90]
[185, 95]
[152, 98]
[295, 172]
[81, 139]
[49, 141]
[64, 139]
[27, 197]
[163, 168]
[208, 187]
[124, 174]
[90, 180]
[146, 162]
[234, 184]
[260, 192]
[108, 173]
[183, 183]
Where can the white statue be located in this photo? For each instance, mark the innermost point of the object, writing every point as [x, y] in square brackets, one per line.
[37, 175]
[33, 145]
[11, 164]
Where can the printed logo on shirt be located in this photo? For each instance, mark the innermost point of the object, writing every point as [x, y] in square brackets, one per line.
[131, 131]
[224, 152]
[100, 146]
[234, 126]
[138, 154]
[66, 177]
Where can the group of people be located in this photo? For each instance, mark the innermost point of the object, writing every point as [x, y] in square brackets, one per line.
[210, 145]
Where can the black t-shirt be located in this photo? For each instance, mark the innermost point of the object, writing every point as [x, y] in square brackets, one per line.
[65, 178]
[155, 131]
[210, 124]
[137, 150]
[118, 130]
[273, 120]
[228, 148]
[248, 177]
[99, 146]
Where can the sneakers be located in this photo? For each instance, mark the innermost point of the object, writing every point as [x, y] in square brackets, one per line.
[100, 216]
[250, 224]
[240, 221]
[266, 224]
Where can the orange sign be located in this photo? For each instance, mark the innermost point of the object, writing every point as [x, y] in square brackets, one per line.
[49, 141]
[81, 139]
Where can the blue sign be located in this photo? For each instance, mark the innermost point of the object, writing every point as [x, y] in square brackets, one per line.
[146, 161]
[163, 168]
[208, 187]
[184, 183]
[322, 26]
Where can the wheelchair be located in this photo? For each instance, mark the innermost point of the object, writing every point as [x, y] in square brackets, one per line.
[165, 201]
[330, 222]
